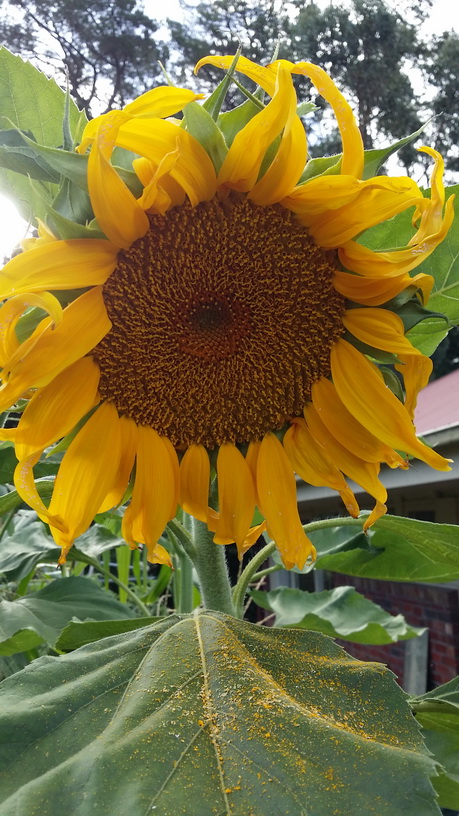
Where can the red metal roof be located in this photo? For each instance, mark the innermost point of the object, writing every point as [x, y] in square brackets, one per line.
[438, 404]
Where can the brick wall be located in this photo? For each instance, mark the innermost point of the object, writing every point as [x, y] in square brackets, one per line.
[435, 606]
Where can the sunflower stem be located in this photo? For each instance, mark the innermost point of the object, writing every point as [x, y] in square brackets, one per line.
[251, 570]
[185, 598]
[210, 565]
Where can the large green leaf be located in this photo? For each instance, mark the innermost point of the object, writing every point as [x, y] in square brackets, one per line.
[34, 104]
[395, 549]
[438, 714]
[79, 633]
[30, 544]
[210, 715]
[340, 612]
[41, 616]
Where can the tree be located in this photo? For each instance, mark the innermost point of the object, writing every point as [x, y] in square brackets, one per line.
[443, 69]
[220, 28]
[110, 50]
[365, 47]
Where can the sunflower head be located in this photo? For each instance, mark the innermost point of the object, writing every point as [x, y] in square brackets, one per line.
[218, 316]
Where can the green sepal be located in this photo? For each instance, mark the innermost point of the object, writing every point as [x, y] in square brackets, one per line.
[231, 122]
[16, 156]
[412, 312]
[305, 108]
[214, 102]
[374, 159]
[321, 166]
[57, 162]
[200, 124]
[393, 382]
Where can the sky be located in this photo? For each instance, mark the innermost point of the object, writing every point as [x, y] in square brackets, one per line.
[444, 17]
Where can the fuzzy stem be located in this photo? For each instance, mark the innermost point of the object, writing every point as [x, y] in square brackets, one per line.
[210, 564]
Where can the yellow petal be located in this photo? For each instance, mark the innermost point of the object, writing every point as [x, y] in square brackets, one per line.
[117, 211]
[353, 157]
[195, 481]
[373, 205]
[84, 324]
[378, 511]
[322, 194]
[13, 309]
[128, 447]
[162, 102]
[153, 501]
[362, 473]
[56, 408]
[375, 291]
[285, 169]
[73, 264]
[347, 430]
[277, 491]
[314, 465]
[86, 473]
[363, 391]
[243, 161]
[193, 171]
[416, 371]
[365, 261]
[379, 328]
[236, 496]
[264, 76]
[24, 483]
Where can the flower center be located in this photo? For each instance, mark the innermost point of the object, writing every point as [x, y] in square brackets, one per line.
[223, 316]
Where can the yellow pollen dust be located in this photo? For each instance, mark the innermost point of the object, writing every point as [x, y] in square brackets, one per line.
[223, 317]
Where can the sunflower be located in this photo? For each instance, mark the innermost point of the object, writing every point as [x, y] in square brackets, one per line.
[226, 319]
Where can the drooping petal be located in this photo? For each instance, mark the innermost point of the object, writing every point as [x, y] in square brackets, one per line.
[195, 482]
[314, 465]
[362, 473]
[193, 171]
[84, 323]
[346, 428]
[322, 194]
[243, 161]
[128, 447]
[236, 496]
[86, 473]
[277, 494]
[353, 157]
[363, 391]
[365, 261]
[285, 169]
[59, 265]
[264, 76]
[12, 310]
[373, 291]
[24, 483]
[159, 102]
[153, 501]
[416, 371]
[384, 330]
[373, 205]
[117, 211]
[56, 408]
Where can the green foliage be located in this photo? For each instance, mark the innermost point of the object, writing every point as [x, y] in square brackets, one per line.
[40, 617]
[438, 714]
[340, 612]
[206, 714]
[395, 549]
